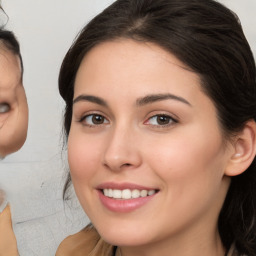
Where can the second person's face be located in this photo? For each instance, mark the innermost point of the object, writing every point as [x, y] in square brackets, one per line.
[13, 104]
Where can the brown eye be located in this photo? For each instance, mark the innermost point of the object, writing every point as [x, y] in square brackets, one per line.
[94, 119]
[97, 119]
[4, 108]
[160, 120]
[163, 120]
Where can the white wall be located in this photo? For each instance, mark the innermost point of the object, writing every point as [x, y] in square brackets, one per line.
[45, 29]
[246, 11]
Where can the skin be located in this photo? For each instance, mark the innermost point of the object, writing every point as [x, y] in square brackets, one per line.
[8, 245]
[14, 122]
[13, 131]
[186, 160]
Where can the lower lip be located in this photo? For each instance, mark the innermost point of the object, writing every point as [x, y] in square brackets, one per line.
[123, 206]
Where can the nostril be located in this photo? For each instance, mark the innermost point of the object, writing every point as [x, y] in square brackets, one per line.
[127, 164]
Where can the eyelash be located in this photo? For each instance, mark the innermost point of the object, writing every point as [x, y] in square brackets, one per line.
[170, 120]
[82, 120]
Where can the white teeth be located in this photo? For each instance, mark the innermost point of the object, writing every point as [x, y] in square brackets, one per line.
[135, 193]
[117, 194]
[143, 193]
[127, 193]
[105, 192]
[151, 192]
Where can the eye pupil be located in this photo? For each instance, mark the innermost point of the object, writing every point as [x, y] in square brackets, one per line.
[163, 120]
[97, 119]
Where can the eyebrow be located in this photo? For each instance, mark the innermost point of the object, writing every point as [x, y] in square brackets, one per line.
[159, 97]
[139, 102]
[90, 98]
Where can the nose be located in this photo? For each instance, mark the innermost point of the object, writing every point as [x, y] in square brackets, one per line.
[122, 151]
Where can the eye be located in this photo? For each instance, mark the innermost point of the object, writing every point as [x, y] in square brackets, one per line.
[4, 108]
[161, 120]
[94, 119]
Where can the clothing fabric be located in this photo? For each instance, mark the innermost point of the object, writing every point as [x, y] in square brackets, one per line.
[8, 245]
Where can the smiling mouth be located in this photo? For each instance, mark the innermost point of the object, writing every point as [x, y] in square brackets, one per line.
[127, 194]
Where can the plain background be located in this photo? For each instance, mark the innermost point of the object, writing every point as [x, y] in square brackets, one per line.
[34, 176]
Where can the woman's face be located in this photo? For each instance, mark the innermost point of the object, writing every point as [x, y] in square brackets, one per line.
[13, 104]
[143, 130]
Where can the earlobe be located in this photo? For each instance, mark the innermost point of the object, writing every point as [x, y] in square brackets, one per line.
[244, 150]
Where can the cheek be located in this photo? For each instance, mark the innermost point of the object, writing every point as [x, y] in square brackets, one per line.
[83, 157]
[191, 160]
[191, 175]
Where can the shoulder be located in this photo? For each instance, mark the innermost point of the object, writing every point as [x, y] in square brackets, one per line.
[81, 243]
[84, 243]
[8, 245]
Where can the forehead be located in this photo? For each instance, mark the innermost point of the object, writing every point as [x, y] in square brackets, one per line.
[10, 68]
[132, 65]
[8, 57]
[123, 48]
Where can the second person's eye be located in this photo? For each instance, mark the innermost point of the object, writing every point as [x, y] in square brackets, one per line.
[4, 108]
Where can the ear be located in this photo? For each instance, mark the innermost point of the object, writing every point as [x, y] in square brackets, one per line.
[244, 150]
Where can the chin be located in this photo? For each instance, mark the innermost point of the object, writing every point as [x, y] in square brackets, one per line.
[124, 237]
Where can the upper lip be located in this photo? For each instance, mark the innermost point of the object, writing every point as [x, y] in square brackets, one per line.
[122, 186]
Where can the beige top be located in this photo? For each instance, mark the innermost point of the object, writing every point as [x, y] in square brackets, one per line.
[8, 245]
[85, 243]
[88, 243]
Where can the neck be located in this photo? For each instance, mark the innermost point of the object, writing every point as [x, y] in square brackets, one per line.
[185, 246]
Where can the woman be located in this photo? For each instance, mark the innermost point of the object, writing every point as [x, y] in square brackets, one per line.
[160, 120]
[13, 103]
[13, 124]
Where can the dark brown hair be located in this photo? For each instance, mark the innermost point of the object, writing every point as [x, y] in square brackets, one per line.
[208, 38]
[9, 41]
